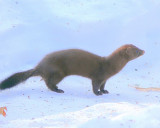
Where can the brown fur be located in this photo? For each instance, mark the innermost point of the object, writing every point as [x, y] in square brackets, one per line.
[55, 66]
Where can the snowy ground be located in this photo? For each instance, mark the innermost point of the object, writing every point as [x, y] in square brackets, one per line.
[31, 29]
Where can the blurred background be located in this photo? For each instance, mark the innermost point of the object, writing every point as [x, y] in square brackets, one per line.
[31, 29]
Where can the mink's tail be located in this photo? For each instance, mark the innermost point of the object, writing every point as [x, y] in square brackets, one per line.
[17, 78]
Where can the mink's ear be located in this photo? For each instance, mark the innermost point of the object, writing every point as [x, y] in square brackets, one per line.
[128, 50]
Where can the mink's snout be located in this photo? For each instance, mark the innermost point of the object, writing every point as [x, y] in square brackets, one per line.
[142, 52]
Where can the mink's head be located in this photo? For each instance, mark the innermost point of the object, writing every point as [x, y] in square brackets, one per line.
[131, 52]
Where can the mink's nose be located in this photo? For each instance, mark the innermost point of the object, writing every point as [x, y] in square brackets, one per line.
[143, 52]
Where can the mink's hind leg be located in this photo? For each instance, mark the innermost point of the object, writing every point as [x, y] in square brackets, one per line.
[102, 89]
[52, 80]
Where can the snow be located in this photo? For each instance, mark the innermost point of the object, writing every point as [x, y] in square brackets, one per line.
[31, 29]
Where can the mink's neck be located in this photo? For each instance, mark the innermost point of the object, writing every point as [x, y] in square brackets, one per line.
[114, 63]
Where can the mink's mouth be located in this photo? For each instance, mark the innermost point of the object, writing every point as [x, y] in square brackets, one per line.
[141, 52]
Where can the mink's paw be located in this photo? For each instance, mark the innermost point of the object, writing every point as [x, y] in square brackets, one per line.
[98, 93]
[60, 91]
[104, 91]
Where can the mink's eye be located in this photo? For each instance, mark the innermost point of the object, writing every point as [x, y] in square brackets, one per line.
[137, 51]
